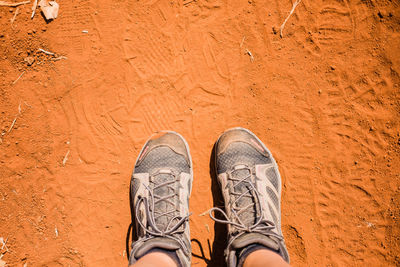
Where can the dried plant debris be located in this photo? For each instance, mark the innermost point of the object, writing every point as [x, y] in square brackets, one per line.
[34, 6]
[287, 18]
[46, 52]
[65, 158]
[250, 54]
[15, 15]
[19, 77]
[3, 3]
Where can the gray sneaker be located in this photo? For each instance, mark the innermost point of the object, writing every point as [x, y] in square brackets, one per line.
[251, 188]
[160, 188]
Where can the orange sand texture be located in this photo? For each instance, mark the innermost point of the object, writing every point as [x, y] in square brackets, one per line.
[325, 99]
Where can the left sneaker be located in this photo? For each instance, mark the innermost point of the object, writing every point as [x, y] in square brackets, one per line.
[160, 188]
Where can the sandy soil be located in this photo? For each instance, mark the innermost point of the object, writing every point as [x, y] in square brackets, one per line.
[325, 99]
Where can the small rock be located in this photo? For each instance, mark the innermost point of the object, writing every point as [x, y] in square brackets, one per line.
[49, 9]
[29, 60]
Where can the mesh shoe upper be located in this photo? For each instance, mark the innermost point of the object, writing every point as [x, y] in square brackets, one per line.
[160, 189]
[251, 188]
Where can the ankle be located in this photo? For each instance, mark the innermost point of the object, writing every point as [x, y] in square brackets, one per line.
[158, 257]
[261, 257]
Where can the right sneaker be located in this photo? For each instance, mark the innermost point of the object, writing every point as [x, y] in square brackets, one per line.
[160, 188]
[251, 187]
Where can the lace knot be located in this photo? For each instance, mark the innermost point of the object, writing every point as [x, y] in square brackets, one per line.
[173, 228]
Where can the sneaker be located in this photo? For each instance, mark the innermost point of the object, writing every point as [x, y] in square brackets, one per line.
[160, 188]
[251, 187]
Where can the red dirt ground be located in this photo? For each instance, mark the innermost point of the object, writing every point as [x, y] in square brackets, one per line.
[325, 99]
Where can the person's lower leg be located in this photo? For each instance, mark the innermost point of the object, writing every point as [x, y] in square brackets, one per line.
[264, 258]
[155, 259]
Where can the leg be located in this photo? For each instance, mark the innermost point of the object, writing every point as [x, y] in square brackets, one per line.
[155, 259]
[264, 258]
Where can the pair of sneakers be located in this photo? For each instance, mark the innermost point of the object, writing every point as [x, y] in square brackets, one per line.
[251, 187]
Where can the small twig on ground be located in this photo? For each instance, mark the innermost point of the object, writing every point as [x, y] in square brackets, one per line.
[34, 6]
[18, 78]
[12, 124]
[27, 104]
[19, 113]
[46, 52]
[3, 243]
[291, 12]
[15, 15]
[55, 58]
[205, 213]
[3, 3]
[65, 158]
[59, 58]
[250, 54]
[241, 44]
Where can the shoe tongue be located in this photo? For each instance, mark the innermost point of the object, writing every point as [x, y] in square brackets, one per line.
[164, 206]
[248, 216]
[158, 242]
[254, 238]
